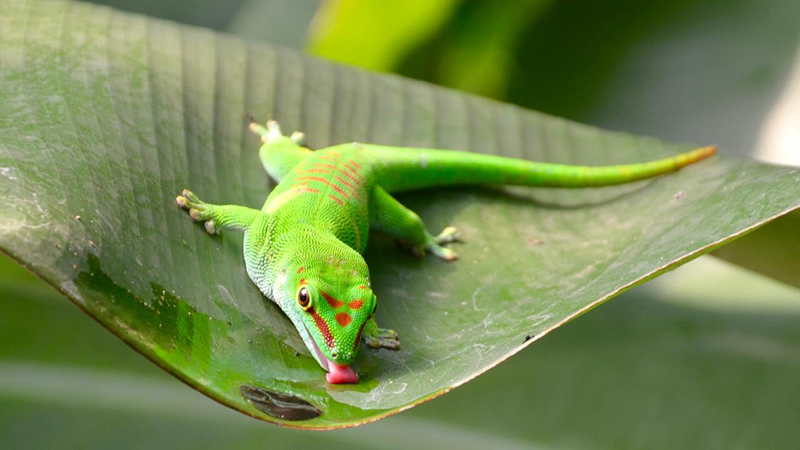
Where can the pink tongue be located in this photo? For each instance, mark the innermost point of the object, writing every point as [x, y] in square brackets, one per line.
[340, 374]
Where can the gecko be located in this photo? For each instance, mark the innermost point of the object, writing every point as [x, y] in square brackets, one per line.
[303, 248]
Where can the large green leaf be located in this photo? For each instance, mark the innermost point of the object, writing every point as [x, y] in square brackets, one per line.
[648, 370]
[107, 116]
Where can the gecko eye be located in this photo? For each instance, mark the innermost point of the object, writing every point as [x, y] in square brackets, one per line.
[303, 298]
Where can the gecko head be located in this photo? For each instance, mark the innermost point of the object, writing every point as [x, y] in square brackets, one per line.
[331, 301]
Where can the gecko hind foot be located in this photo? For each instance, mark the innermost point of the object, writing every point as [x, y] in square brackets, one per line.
[433, 245]
[383, 338]
[198, 210]
[448, 235]
[440, 252]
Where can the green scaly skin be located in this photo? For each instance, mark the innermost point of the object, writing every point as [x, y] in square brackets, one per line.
[303, 248]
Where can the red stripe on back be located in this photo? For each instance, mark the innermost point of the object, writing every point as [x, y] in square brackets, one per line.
[353, 172]
[337, 199]
[339, 171]
[323, 180]
[344, 182]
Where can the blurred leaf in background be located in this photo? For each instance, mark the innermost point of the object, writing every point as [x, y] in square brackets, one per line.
[701, 71]
[376, 34]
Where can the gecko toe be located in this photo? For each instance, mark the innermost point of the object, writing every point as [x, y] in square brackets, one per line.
[448, 235]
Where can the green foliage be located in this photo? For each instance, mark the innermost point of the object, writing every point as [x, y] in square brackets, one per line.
[648, 361]
[107, 116]
[375, 35]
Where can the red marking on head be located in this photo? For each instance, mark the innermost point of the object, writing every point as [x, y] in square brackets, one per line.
[362, 287]
[327, 158]
[300, 270]
[314, 171]
[332, 301]
[343, 318]
[355, 304]
[358, 336]
[357, 165]
[337, 199]
[302, 280]
[322, 326]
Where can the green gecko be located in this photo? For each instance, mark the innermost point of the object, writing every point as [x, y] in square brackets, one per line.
[303, 248]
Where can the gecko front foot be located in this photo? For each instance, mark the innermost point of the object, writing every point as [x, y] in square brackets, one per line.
[198, 210]
[272, 132]
[375, 337]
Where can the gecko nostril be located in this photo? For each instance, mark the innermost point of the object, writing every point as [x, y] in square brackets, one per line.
[334, 355]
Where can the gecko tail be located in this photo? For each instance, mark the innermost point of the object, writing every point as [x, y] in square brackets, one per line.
[408, 169]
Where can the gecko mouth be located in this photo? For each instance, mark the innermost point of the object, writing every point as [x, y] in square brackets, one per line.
[337, 373]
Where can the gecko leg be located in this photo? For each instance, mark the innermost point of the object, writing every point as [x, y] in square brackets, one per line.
[391, 217]
[216, 217]
[375, 337]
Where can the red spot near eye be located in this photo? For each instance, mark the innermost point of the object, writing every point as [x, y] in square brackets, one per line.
[362, 287]
[302, 280]
[323, 329]
[343, 318]
[300, 270]
[355, 304]
[332, 301]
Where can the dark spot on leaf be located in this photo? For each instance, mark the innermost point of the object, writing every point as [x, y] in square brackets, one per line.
[527, 338]
[279, 405]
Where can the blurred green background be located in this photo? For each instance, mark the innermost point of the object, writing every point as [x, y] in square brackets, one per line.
[707, 356]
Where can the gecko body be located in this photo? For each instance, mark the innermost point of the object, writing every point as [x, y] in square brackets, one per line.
[303, 247]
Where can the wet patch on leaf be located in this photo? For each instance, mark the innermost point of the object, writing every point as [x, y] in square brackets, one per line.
[279, 405]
